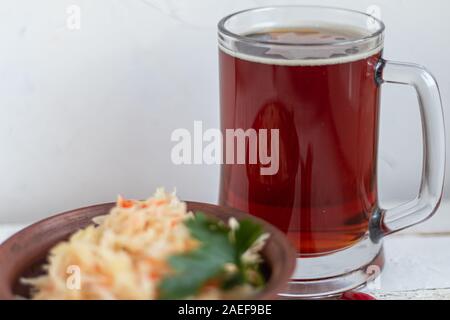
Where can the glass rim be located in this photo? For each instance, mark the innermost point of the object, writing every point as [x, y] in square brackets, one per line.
[224, 31]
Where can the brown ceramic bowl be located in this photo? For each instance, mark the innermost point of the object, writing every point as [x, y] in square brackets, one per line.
[23, 254]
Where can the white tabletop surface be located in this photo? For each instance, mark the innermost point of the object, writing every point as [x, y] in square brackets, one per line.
[417, 260]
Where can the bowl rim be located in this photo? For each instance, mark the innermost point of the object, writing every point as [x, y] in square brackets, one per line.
[278, 243]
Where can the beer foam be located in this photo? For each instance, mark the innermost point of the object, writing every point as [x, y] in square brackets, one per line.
[306, 46]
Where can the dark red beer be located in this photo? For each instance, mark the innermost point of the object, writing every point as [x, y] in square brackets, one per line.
[327, 116]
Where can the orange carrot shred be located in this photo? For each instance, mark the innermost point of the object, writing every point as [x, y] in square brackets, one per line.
[126, 203]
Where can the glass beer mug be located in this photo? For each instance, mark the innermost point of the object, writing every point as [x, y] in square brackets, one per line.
[312, 75]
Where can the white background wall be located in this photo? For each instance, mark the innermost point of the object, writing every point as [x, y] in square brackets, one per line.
[87, 114]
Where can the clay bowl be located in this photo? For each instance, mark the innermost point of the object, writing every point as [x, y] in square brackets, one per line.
[23, 254]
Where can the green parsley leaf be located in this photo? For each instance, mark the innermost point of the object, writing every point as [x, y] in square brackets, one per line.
[218, 247]
[247, 233]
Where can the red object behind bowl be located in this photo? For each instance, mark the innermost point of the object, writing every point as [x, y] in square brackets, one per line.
[352, 295]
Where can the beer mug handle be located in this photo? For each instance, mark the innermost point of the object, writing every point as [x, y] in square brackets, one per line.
[387, 221]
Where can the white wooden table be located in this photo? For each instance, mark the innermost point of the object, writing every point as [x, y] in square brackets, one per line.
[417, 260]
